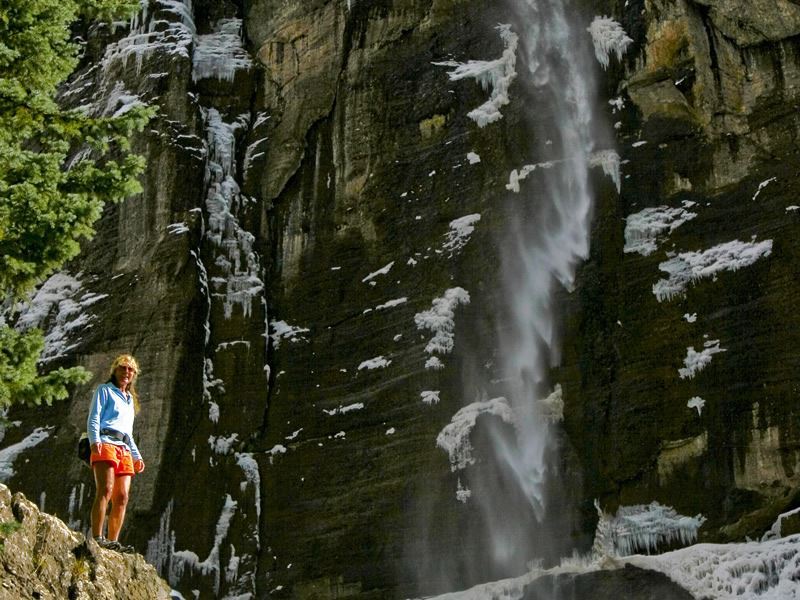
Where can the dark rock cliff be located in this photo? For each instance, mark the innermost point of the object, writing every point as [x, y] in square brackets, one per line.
[303, 174]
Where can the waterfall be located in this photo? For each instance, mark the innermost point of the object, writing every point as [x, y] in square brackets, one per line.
[523, 513]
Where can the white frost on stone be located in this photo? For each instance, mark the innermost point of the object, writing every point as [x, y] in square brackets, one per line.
[440, 319]
[430, 397]
[342, 410]
[60, 307]
[392, 303]
[186, 559]
[647, 228]
[379, 362]
[792, 207]
[221, 444]
[391, 431]
[281, 330]
[473, 158]
[11, 453]
[698, 403]
[220, 54]
[275, 451]
[460, 231]
[454, 438]
[762, 185]
[518, 175]
[689, 267]
[690, 318]
[697, 361]
[434, 363]
[496, 75]
[382, 271]
[252, 476]
[213, 411]
[177, 228]
[608, 36]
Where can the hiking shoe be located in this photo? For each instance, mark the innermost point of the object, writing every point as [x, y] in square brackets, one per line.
[108, 544]
[126, 549]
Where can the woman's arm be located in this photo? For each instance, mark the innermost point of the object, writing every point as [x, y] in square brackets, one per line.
[93, 420]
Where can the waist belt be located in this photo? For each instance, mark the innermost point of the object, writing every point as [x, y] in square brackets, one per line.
[117, 435]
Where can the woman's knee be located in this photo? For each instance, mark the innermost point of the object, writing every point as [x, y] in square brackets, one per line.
[119, 497]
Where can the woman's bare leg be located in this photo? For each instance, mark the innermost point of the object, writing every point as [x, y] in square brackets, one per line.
[119, 502]
[104, 487]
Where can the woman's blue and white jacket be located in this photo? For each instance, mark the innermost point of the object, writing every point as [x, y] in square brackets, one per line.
[111, 408]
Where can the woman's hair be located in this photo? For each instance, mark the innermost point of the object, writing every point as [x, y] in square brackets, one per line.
[128, 361]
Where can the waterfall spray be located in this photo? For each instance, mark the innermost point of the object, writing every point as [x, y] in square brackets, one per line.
[547, 235]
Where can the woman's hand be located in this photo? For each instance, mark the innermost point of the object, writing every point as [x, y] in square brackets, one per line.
[96, 448]
[138, 465]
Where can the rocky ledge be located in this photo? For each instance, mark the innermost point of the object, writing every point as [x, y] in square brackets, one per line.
[43, 558]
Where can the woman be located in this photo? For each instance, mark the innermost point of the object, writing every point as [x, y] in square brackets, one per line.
[115, 457]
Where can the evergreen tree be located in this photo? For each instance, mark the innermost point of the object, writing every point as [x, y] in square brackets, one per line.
[57, 170]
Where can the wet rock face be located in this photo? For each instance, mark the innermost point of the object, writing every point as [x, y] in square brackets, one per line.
[304, 176]
[707, 128]
[42, 558]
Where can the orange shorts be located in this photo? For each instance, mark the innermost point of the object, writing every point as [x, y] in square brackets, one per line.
[119, 456]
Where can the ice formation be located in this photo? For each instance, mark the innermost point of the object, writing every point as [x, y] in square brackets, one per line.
[61, 306]
[440, 320]
[698, 403]
[281, 330]
[608, 36]
[252, 476]
[462, 494]
[643, 527]
[236, 258]
[460, 231]
[762, 185]
[382, 271]
[435, 363]
[221, 444]
[496, 75]
[689, 267]
[171, 37]
[454, 438]
[774, 532]
[220, 54]
[9, 455]
[473, 158]
[392, 303]
[342, 410]
[697, 361]
[518, 175]
[645, 229]
[430, 397]
[608, 160]
[552, 407]
[182, 560]
[379, 362]
[747, 571]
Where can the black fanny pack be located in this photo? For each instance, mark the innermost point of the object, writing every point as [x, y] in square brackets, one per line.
[117, 435]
